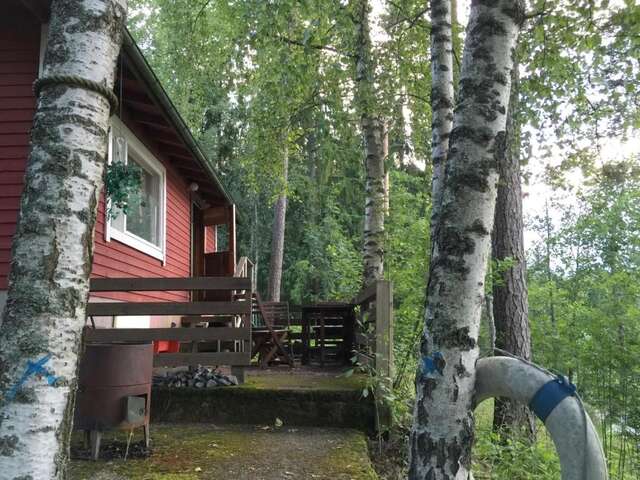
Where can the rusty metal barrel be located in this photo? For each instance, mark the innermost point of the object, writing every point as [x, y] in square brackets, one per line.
[114, 387]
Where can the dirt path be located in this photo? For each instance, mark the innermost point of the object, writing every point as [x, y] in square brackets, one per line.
[195, 452]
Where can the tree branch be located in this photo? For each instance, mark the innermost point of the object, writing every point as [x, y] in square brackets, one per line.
[539, 13]
[197, 17]
[412, 20]
[299, 43]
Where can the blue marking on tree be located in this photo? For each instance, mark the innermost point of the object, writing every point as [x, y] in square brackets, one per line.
[433, 364]
[33, 368]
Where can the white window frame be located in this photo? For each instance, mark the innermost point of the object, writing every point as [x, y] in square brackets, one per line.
[148, 161]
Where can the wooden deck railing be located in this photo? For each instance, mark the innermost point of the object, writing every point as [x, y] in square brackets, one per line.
[239, 310]
[246, 269]
[374, 327]
[374, 342]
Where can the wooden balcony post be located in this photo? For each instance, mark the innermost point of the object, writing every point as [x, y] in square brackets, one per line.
[232, 238]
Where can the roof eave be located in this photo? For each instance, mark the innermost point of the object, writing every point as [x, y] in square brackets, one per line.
[159, 95]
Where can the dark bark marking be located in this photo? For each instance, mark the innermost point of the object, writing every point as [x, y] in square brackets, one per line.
[90, 21]
[479, 135]
[461, 371]
[515, 11]
[488, 25]
[8, 445]
[478, 228]
[428, 386]
[25, 395]
[456, 389]
[50, 262]
[423, 415]
[457, 338]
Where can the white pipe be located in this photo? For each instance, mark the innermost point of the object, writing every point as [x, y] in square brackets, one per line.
[577, 444]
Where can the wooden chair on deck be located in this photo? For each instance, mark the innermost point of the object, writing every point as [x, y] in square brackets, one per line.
[270, 333]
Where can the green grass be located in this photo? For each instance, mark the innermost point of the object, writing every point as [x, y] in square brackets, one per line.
[515, 460]
[520, 461]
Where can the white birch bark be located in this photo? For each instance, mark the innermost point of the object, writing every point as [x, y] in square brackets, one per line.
[441, 98]
[52, 248]
[387, 176]
[373, 128]
[443, 426]
[277, 238]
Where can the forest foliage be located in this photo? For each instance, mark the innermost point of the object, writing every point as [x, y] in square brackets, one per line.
[254, 77]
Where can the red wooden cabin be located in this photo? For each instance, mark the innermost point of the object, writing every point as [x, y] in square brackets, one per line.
[174, 233]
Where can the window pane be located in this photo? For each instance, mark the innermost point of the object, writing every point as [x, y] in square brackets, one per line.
[117, 221]
[144, 212]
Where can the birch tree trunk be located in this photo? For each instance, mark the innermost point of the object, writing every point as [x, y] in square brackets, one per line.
[373, 128]
[53, 245]
[277, 239]
[373, 249]
[441, 99]
[443, 426]
[387, 177]
[510, 299]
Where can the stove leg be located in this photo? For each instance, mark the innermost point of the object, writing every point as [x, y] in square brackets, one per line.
[146, 436]
[95, 438]
[87, 438]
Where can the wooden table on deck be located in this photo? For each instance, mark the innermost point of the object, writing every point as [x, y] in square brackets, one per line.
[262, 345]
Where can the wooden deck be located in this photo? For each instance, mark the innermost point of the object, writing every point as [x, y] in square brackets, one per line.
[365, 324]
[235, 314]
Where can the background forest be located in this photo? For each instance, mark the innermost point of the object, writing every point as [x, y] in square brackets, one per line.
[268, 89]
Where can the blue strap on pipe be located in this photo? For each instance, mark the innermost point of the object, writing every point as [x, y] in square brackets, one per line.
[549, 396]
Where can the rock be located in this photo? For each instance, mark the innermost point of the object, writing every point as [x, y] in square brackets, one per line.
[199, 377]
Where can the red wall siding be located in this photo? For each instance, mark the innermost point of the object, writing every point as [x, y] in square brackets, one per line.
[115, 259]
[19, 54]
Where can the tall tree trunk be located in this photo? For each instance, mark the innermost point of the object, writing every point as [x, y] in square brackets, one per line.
[373, 249]
[441, 99]
[387, 177]
[53, 245]
[443, 425]
[373, 128]
[399, 139]
[277, 239]
[551, 302]
[456, 41]
[510, 302]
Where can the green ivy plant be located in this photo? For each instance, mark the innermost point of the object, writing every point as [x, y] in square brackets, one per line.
[122, 184]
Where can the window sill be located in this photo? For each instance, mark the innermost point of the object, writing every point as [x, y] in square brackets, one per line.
[138, 243]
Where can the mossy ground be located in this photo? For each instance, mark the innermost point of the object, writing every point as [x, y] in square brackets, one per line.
[194, 452]
[300, 397]
[304, 380]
